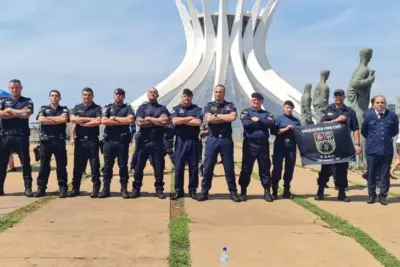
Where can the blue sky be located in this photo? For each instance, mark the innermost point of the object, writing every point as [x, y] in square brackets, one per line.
[134, 44]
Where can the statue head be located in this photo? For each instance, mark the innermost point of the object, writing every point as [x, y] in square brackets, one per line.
[325, 75]
[307, 88]
[366, 55]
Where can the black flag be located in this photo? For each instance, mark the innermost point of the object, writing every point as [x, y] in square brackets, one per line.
[325, 143]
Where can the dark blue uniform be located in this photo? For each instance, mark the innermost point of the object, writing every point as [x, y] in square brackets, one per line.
[256, 147]
[284, 149]
[187, 148]
[219, 141]
[86, 148]
[15, 137]
[150, 143]
[52, 141]
[116, 145]
[341, 169]
[379, 131]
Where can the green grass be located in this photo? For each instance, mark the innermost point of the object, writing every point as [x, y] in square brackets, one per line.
[179, 250]
[179, 242]
[344, 228]
[12, 218]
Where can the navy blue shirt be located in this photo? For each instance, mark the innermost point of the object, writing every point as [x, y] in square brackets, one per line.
[332, 113]
[16, 124]
[186, 131]
[94, 111]
[225, 108]
[57, 129]
[112, 110]
[257, 130]
[379, 132]
[155, 110]
[286, 139]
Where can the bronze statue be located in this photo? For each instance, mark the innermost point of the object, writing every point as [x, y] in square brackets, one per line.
[321, 96]
[359, 92]
[306, 115]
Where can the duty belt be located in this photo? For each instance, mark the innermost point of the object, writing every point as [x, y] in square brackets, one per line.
[14, 132]
[87, 138]
[44, 137]
[223, 135]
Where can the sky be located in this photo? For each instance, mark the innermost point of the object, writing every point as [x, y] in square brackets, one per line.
[135, 44]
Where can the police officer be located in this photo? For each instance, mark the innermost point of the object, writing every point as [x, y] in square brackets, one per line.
[379, 128]
[53, 119]
[14, 114]
[86, 116]
[256, 123]
[187, 118]
[117, 117]
[152, 119]
[219, 115]
[284, 149]
[338, 112]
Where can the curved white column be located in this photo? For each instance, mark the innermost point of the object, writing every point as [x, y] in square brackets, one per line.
[208, 51]
[189, 64]
[222, 46]
[237, 51]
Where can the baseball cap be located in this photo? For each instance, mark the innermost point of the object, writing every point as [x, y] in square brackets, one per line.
[187, 91]
[119, 91]
[257, 95]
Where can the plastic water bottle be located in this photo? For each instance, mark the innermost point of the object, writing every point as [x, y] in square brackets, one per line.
[224, 257]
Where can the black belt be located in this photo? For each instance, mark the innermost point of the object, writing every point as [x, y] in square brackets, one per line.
[223, 135]
[257, 141]
[87, 138]
[14, 132]
[189, 138]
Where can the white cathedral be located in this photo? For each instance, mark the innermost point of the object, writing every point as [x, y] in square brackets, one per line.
[230, 49]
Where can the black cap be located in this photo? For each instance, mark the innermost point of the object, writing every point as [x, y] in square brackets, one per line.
[257, 95]
[338, 92]
[119, 91]
[187, 92]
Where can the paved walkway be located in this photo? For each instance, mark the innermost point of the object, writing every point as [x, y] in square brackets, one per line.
[92, 232]
[258, 233]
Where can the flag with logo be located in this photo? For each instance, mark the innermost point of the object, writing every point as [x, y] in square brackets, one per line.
[325, 143]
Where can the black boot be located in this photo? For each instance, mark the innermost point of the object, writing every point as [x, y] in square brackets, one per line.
[371, 200]
[235, 197]
[286, 193]
[178, 195]
[63, 192]
[160, 194]
[135, 193]
[267, 196]
[74, 192]
[124, 191]
[96, 189]
[203, 196]
[274, 192]
[28, 192]
[105, 193]
[342, 195]
[320, 193]
[41, 192]
[193, 194]
[243, 194]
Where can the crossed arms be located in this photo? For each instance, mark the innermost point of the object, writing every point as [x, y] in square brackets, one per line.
[10, 113]
[220, 118]
[86, 121]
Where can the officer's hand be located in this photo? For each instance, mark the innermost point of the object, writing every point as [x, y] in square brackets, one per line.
[342, 118]
[290, 127]
[72, 142]
[7, 110]
[255, 119]
[358, 150]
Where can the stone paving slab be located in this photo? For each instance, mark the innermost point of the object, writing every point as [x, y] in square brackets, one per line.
[258, 233]
[93, 232]
[380, 222]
